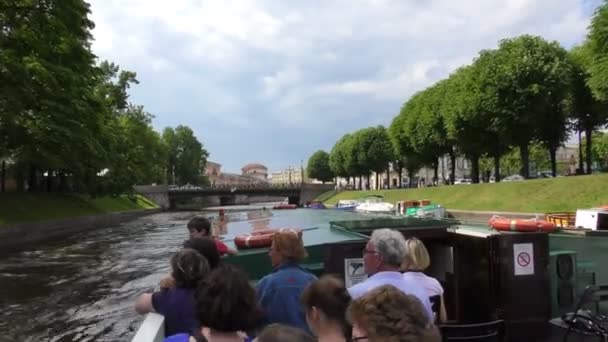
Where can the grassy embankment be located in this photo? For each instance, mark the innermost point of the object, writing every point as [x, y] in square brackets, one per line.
[30, 207]
[533, 196]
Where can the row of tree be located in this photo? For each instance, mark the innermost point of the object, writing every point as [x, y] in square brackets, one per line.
[66, 122]
[527, 92]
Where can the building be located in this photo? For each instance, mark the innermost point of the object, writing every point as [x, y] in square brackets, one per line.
[216, 177]
[291, 175]
[256, 170]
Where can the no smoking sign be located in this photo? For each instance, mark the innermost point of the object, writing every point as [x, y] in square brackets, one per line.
[523, 255]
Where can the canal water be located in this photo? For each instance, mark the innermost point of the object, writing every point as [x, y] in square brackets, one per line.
[83, 288]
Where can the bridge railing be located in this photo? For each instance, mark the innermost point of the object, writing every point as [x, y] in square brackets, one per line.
[234, 187]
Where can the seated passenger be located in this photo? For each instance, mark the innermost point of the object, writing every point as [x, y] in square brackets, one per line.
[382, 258]
[325, 302]
[283, 333]
[226, 307]
[206, 247]
[417, 260]
[177, 303]
[386, 314]
[200, 226]
[279, 292]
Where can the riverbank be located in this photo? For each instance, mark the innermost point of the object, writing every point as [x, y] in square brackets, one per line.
[530, 196]
[16, 208]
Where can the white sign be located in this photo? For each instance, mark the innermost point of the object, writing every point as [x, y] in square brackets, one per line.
[354, 272]
[523, 258]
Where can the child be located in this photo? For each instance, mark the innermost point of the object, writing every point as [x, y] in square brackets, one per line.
[200, 227]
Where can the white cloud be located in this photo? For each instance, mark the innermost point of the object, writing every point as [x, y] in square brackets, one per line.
[253, 64]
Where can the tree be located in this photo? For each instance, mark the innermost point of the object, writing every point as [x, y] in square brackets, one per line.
[318, 167]
[597, 40]
[48, 115]
[337, 159]
[186, 156]
[375, 150]
[526, 81]
[588, 113]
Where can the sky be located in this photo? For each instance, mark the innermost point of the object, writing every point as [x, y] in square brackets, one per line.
[273, 81]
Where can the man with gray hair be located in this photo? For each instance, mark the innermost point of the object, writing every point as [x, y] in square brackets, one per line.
[382, 258]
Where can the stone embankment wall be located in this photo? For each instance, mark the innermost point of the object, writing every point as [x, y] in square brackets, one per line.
[20, 236]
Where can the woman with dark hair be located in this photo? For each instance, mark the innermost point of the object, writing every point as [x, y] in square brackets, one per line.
[206, 247]
[325, 302]
[177, 304]
[226, 307]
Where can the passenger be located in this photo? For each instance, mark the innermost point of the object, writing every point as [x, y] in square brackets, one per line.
[279, 292]
[325, 302]
[382, 259]
[200, 226]
[386, 314]
[417, 260]
[206, 247]
[177, 303]
[226, 307]
[283, 333]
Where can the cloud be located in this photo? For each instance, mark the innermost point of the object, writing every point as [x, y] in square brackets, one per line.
[272, 81]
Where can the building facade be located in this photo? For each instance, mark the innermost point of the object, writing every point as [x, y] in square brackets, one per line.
[256, 170]
[216, 177]
[290, 175]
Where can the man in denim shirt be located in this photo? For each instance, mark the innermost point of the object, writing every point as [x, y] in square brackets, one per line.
[279, 292]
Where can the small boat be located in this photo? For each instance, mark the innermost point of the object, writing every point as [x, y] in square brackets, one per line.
[375, 204]
[421, 208]
[316, 205]
[285, 206]
[347, 204]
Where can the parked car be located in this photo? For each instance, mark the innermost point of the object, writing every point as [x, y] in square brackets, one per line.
[463, 181]
[545, 174]
[513, 178]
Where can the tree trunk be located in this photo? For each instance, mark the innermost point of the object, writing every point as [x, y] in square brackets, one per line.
[410, 175]
[369, 184]
[360, 182]
[3, 177]
[552, 152]
[475, 169]
[436, 174]
[497, 168]
[388, 177]
[32, 179]
[400, 177]
[525, 161]
[443, 168]
[581, 168]
[49, 181]
[452, 166]
[588, 146]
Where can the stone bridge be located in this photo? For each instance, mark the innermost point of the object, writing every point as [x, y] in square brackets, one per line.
[194, 197]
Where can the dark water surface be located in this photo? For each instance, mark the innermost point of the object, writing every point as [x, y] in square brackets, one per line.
[83, 288]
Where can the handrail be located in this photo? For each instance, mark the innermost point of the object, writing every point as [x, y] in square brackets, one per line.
[152, 329]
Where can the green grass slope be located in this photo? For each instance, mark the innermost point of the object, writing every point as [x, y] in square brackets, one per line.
[538, 195]
[30, 207]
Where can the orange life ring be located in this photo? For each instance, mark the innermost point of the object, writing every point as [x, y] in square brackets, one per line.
[521, 225]
[261, 238]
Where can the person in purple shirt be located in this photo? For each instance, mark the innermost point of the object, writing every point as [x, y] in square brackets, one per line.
[382, 258]
[177, 304]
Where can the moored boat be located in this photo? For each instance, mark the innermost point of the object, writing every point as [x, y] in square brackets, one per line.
[347, 204]
[420, 208]
[374, 204]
